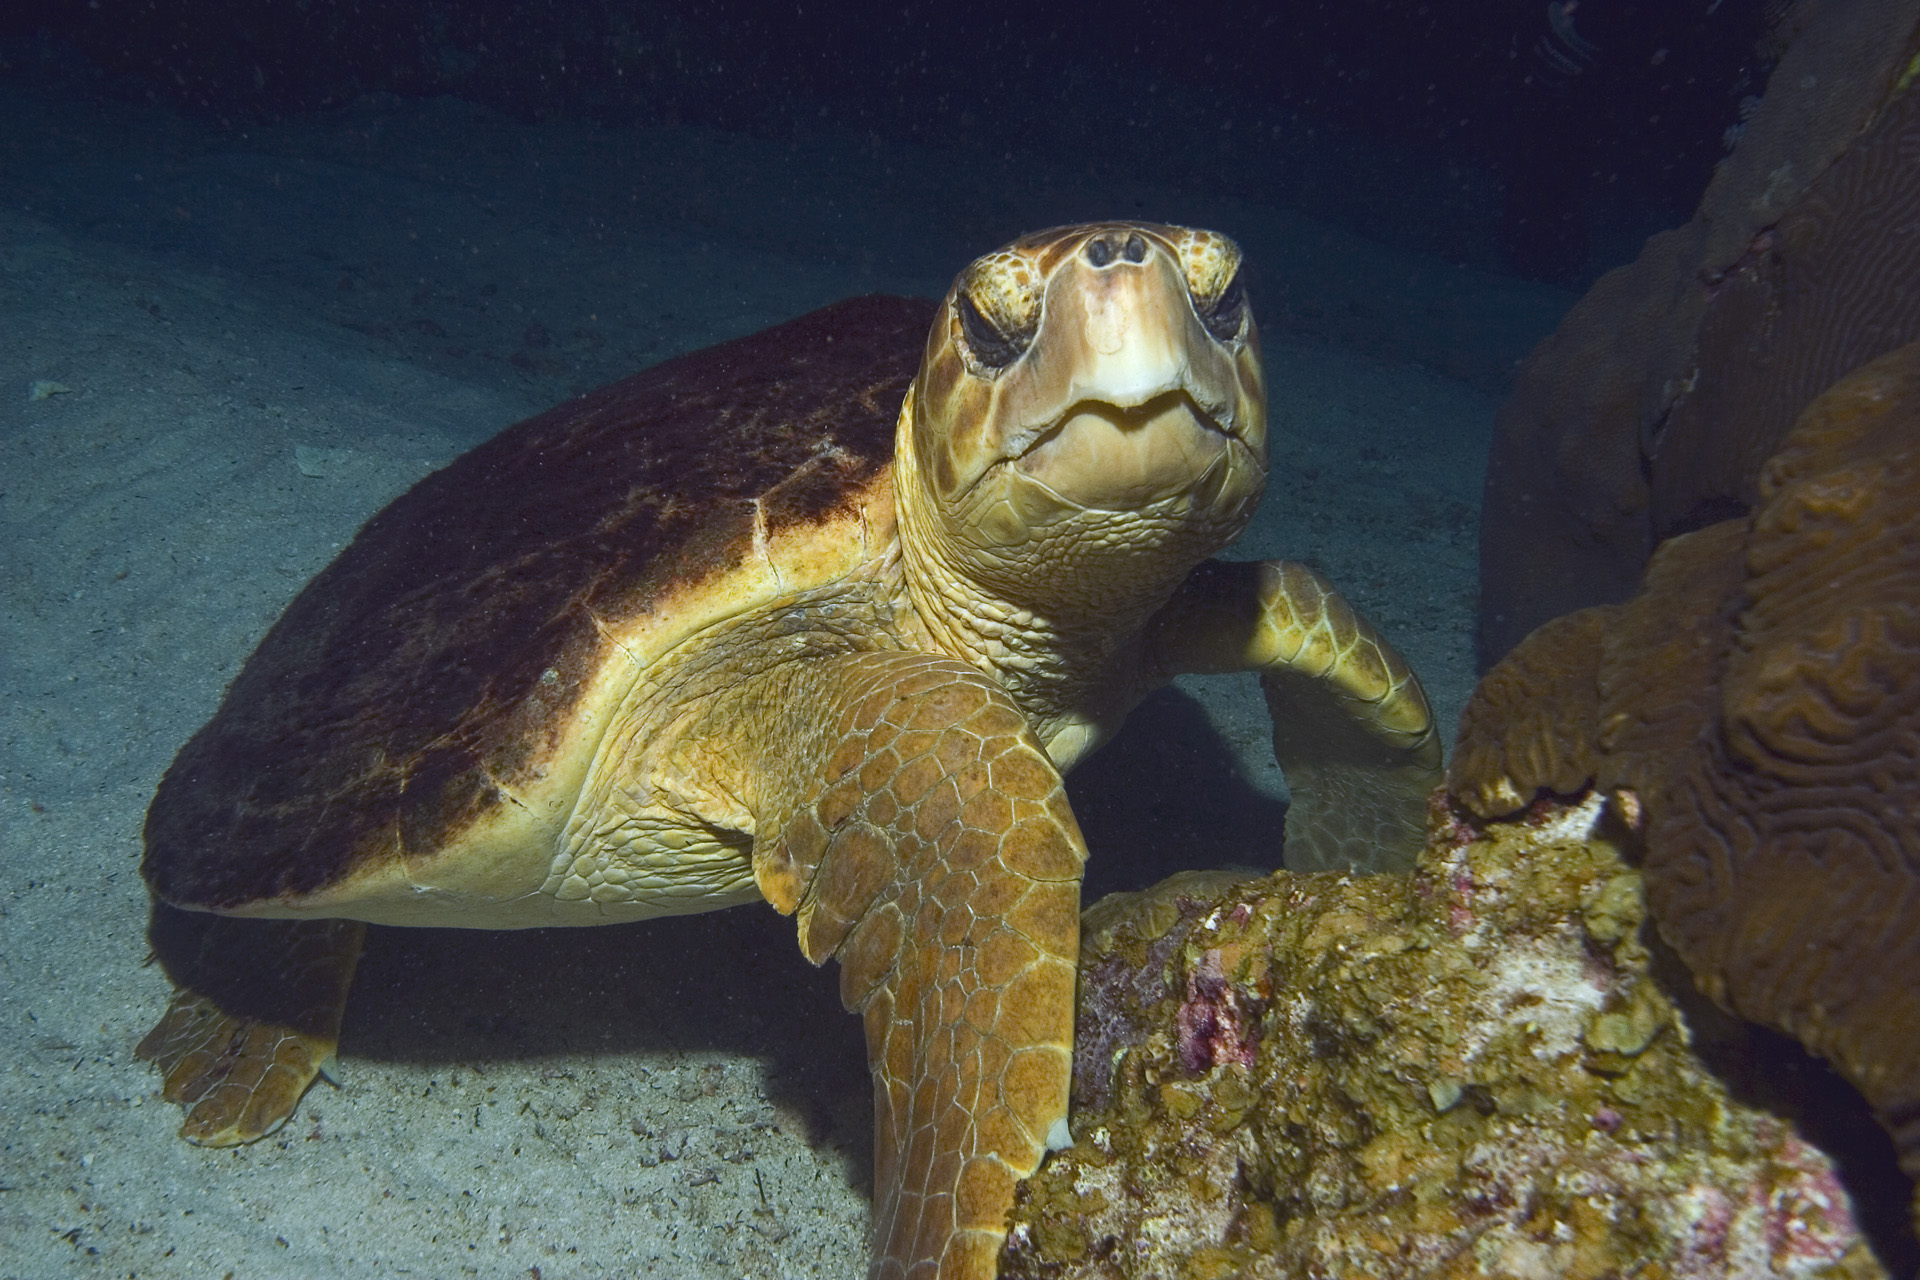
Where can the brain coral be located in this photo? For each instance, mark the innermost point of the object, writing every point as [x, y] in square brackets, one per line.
[1760, 698]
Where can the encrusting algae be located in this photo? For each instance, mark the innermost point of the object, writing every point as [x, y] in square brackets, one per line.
[1470, 1070]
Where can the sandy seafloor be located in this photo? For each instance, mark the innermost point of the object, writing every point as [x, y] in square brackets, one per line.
[220, 351]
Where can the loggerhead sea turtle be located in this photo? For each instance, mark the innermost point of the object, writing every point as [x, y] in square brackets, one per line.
[734, 629]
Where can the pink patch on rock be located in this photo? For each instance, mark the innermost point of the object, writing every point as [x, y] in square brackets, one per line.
[1807, 1217]
[1712, 1221]
[1453, 880]
[1544, 810]
[1451, 825]
[1213, 1023]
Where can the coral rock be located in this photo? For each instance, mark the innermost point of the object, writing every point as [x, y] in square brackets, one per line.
[1465, 1071]
[1761, 699]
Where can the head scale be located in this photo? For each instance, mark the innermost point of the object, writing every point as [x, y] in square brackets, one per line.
[1089, 420]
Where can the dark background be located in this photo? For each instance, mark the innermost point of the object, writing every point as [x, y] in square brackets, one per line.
[1586, 147]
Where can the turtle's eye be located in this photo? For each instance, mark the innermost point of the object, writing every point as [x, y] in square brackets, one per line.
[996, 311]
[1225, 312]
[985, 342]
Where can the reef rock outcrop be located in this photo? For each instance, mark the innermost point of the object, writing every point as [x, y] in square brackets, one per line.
[1470, 1070]
[1759, 699]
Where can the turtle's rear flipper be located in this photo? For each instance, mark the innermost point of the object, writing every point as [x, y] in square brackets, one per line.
[1358, 803]
[931, 850]
[256, 1011]
[1351, 725]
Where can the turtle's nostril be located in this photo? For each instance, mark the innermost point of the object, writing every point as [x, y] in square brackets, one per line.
[1106, 249]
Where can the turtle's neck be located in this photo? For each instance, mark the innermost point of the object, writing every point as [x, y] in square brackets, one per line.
[1075, 668]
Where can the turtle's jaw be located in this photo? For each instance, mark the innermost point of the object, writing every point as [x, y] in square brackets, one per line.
[1099, 456]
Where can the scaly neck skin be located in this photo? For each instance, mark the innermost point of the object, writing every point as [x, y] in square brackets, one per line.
[1076, 669]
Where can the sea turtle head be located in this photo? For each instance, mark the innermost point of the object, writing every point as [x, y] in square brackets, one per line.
[1089, 420]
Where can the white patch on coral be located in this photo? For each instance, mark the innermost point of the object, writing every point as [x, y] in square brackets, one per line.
[1546, 987]
[1574, 825]
[1545, 984]
[1518, 1258]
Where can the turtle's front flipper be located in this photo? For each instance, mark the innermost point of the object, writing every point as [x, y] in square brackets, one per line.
[924, 839]
[1351, 725]
[255, 1012]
